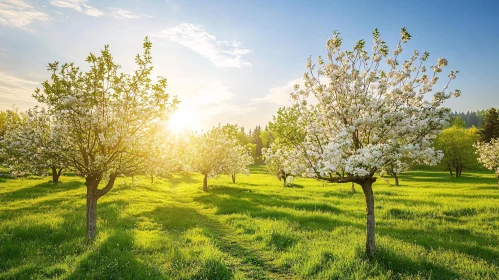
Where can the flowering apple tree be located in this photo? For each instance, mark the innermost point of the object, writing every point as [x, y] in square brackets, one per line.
[238, 161]
[107, 117]
[164, 158]
[364, 110]
[33, 144]
[287, 136]
[488, 155]
[214, 153]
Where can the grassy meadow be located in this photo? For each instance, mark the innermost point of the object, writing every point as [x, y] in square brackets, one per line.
[430, 227]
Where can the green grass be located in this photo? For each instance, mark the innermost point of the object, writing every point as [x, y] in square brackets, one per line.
[431, 227]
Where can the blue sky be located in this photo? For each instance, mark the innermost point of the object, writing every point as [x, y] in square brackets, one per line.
[236, 61]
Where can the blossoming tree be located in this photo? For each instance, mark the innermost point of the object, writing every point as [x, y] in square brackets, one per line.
[107, 116]
[369, 109]
[164, 159]
[287, 136]
[33, 144]
[238, 161]
[214, 153]
[488, 155]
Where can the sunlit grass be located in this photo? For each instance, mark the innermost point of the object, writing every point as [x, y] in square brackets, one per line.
[432, 226]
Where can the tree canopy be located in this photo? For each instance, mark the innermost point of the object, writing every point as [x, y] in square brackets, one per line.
[106, 116]
[368, 110]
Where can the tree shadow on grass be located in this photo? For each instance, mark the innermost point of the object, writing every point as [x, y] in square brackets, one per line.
[39, 190]
[403, 266]
[454, 240]
[254, 199]
[439, 177]
[176, 218]
[487, 188]
[467, 196]
[254, 205]
[4, 178]
[293, 186]
[183, 177]
[341, 194]
[115, 259]
[258, 169]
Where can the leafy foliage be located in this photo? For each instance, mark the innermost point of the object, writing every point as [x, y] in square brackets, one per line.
[287, 136]
[107, 117]
[456, 143]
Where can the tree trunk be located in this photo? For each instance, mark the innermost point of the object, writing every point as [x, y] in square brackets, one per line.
[284, 178]
[396, 179]
[370, 225]
[205, 183]
[93, 194]
[152, 178]
[55, 175]
[91, 211]
[450, 170]
[353, 187]
[498, 180]
[233, 178]
[457, 172]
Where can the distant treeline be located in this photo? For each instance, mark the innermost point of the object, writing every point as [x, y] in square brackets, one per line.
[470, 118]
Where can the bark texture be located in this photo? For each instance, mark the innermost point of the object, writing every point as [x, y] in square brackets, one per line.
[93, 194]
[370, 225]
[92, 198]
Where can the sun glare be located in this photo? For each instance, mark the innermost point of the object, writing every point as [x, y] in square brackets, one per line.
[181, 120]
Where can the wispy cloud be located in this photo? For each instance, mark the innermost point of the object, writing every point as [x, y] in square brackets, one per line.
[122, 14]
[280, 95]
[14, 90]
[79, 6]
[221, 53]
[18, 13]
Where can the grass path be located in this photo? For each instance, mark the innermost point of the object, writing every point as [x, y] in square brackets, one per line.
[431, 227]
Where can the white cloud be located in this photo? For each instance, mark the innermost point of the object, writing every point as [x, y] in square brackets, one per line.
[18, 13]
[79, 6]
[280, 95]
[14, 90]
[122, 14]
[194, 37]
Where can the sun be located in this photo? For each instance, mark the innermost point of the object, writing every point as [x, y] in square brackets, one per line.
[182, 120]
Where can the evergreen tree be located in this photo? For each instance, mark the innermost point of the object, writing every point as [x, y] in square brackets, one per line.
[470, 118]
[490, 126]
